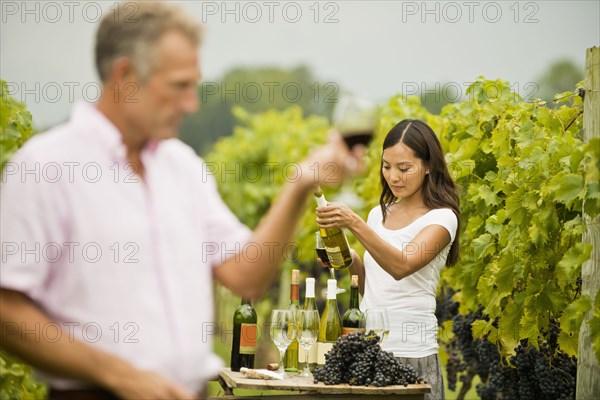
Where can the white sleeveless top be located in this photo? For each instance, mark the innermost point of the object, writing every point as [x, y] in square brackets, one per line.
[410, 302]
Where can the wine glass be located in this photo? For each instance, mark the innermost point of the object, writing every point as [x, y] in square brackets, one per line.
[307, 332]
[376, 319]
[282, 333]
[322, 255]
[355, 118]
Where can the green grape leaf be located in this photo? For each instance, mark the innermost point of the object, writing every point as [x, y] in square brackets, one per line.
[483, 246]
[566, 187]
[573, 315]
[569, 267]
[480, 328]
[528, 327]
[568, 343]
[509, 326]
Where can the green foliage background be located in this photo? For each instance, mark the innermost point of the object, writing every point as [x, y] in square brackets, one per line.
[255, 90]
[16, 380]
[525, 177]
[15, 124]
[524, 174]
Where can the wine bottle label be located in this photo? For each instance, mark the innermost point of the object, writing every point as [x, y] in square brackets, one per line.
[335, 256]
[322, 349]
[346, 331]
[248, 339]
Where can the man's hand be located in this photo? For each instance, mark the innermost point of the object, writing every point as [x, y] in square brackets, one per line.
[76, 359]
[331, 164]
[148, 385]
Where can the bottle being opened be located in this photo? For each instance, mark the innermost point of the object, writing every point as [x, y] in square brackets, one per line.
[336, 244]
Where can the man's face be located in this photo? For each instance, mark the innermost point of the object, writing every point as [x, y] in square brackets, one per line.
[157, 107]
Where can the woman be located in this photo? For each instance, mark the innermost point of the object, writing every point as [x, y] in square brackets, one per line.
[408, 239]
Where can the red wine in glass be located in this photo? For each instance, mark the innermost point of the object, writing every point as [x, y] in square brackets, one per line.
[322, 254]
[357, 137]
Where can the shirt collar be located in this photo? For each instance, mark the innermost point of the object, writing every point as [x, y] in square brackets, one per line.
[101, 130]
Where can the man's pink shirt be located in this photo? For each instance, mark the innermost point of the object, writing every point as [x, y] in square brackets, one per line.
[117, 262]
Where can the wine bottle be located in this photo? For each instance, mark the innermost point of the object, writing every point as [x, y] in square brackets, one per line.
[291, 354]
[243, 347]
[309, 304]
[336, 243]
[353, 319]
[330, 326]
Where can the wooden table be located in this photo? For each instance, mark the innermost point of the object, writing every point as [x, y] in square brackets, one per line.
[308, 390]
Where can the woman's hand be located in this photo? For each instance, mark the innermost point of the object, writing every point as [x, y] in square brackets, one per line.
[337, 215]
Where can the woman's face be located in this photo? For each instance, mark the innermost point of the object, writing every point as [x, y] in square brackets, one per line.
[403, 172]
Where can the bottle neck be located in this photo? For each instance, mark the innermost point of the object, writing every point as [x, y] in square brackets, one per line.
[331, 289]
[309, 303]
[246, 301]
[294, 293]
[320, 199]
[331, 304]
[353, 296]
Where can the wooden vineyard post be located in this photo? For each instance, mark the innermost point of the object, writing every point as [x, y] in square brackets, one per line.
[588, 370]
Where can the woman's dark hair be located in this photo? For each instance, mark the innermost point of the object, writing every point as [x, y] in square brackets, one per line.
[439, 190]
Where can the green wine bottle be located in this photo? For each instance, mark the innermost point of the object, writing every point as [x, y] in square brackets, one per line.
[353, 319]
[291, 354]
[309, 304]
[336, 243]
[330, 326]
[243, 347]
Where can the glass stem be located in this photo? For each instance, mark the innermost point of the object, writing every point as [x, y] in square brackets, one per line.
[332, 272]
[306, 369]
[281, 369]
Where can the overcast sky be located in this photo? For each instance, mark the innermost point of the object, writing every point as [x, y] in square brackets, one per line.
[377, 48]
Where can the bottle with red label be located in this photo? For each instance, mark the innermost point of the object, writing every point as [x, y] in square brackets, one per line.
[353, 319]
[243, 347]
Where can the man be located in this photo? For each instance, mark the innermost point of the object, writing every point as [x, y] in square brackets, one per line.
[108, 260]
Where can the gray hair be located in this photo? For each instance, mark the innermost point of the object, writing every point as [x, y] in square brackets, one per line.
[132, 30]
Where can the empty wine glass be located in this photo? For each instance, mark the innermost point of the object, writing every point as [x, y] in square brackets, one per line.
[307, 332]
[283, 332]
[376, 319]
[322, 255]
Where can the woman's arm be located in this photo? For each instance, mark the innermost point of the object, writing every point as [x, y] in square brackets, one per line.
[398, 263]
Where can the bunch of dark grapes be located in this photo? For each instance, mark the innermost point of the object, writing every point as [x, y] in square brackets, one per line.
[445, 307]
[500, 384]
[543, 374]
[487, 355]
[357, 359]
[462, 328]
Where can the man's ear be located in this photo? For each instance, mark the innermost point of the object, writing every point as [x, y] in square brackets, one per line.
[123, 71]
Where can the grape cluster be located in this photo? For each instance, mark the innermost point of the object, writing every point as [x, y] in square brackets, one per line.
[462, 328]
[453, 367]
[542, 373]
[445, 306]
[358, 360]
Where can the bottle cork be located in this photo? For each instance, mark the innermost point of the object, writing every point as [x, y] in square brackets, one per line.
[295, 276]
[354, 280]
